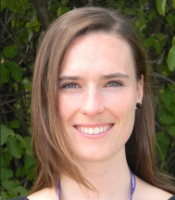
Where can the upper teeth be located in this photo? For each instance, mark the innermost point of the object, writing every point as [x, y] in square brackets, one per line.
[93, 131]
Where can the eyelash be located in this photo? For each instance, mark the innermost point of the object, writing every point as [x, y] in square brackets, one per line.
[114, 84]
[74, 85]
[69, 85]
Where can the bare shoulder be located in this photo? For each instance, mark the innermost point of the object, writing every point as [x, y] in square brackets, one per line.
[44, 194]
[145, 191]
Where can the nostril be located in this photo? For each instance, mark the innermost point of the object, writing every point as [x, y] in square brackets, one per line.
[92, 108]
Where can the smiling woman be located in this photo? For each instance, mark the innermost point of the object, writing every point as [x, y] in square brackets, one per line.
[92, 115]
[105, 92]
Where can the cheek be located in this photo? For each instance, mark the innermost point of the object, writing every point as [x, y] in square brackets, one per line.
[122, 106]
[123, 100]
[67, 105]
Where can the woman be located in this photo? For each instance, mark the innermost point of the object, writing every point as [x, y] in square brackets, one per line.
[92, 116]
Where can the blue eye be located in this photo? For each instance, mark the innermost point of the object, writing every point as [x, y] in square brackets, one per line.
[70, 85]
[114, 84]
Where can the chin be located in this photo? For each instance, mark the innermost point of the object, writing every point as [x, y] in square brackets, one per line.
[94, 156]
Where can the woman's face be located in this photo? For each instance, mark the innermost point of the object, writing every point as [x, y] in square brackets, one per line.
[97, 96]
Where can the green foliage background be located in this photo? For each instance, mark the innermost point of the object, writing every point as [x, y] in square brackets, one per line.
[22, 24]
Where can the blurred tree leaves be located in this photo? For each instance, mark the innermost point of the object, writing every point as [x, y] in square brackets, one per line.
[21, 29]
[171, 58]
[160, 4]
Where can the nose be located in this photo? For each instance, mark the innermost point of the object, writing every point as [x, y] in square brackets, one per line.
[92, 102]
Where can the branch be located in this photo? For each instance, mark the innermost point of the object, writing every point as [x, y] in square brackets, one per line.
[161, 128]
[15, 94]
[5, 29]
[165, 78]
[14, 100]
[17, 113]
[42, 12]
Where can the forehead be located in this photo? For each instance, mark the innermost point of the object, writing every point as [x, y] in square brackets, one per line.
[98, 51]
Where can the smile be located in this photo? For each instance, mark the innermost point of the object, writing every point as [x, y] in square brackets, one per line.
[93, 130]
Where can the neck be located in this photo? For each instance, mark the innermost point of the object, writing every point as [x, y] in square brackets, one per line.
[111, 179]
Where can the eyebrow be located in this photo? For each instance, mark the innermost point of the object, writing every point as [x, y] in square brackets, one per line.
[115, 75]
[62, 78]
[107, 76]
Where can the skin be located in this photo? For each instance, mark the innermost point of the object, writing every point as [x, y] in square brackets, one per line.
[98, 88]
[94, 98]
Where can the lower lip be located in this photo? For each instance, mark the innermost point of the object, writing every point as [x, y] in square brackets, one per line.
[93, 136]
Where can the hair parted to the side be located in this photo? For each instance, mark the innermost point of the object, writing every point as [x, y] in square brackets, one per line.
[51, 150]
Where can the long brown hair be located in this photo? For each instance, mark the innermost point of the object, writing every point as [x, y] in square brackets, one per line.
[51, 150]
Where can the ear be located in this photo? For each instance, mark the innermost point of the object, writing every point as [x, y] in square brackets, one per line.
[140, 90]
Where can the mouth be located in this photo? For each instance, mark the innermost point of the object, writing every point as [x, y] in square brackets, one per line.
[94, 130]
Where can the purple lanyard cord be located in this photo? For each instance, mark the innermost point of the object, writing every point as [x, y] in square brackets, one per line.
[58, 190]
[133, 186]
